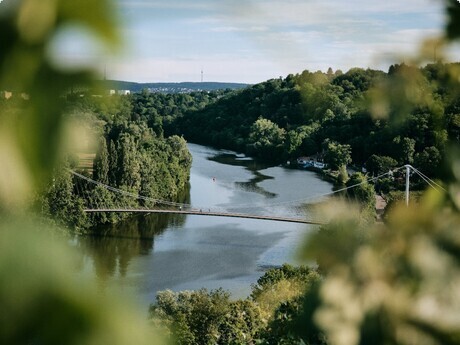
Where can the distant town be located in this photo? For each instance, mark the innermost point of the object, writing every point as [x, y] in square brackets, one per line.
[123, 87]
[116, 87]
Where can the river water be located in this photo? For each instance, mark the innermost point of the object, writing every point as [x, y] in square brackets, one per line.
[149, 253]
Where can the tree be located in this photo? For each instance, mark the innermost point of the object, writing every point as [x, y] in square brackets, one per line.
[362, 192]
[428, 161]
[269, 316]
[336, 155]
[206, 317]
[129, 162]
[113, 165]
[99, 198]
[342, 178]
[279, 294]
[404, 150]
[293, 142]
[101, 163]
[408, 150]
[377, 165]
[59, 195]
[266, 139]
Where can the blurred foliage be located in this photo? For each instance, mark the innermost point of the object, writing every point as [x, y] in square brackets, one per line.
[453, 18]
[397, 283]
[396, 199]
[31, 139]
[362, 192]
[42, 300]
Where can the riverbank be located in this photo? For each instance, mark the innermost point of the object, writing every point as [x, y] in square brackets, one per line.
[192, 252]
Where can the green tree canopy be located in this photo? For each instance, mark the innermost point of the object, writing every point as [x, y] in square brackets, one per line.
[377, 165]
[266, 138]
[336, 155]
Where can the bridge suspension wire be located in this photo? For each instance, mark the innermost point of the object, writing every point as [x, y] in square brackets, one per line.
[117, 190]
[135, 196]
[185, 205]
[317, 196]
[429, 181]
[98, 203]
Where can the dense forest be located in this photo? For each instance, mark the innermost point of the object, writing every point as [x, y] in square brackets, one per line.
[334, 114]
[132, 154]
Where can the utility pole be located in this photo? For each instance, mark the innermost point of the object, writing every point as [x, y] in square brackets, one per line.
[408, 167]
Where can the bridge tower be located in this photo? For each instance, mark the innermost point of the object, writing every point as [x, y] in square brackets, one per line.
[408, 167]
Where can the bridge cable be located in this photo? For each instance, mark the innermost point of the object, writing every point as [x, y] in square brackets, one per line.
[136, 196]
[428, 180]
[251, 206]
[367, 179]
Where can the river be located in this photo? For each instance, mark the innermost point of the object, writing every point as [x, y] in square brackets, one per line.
[149, 253]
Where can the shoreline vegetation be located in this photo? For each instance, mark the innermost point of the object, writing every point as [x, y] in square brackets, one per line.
[130, 152]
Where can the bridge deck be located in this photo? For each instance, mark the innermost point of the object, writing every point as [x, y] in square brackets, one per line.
[215, 214]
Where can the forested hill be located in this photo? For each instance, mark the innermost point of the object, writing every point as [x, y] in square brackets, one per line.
[183, 87]
[330, 113]
[131, 154]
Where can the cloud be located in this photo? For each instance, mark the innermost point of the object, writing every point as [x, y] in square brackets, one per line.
[240, 29]
[171, 4]
[273, 37]
[321, 12]
[271, 22]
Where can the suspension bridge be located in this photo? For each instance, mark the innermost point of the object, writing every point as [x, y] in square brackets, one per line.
[100, 203]
[213, 214]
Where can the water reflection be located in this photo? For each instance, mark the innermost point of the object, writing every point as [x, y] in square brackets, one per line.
[111, 247]
[148, 253]
[249, 164]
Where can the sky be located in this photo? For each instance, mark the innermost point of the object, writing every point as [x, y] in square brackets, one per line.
[250, 41]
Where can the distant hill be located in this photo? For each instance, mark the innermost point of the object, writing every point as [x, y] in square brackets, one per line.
[183, 87]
